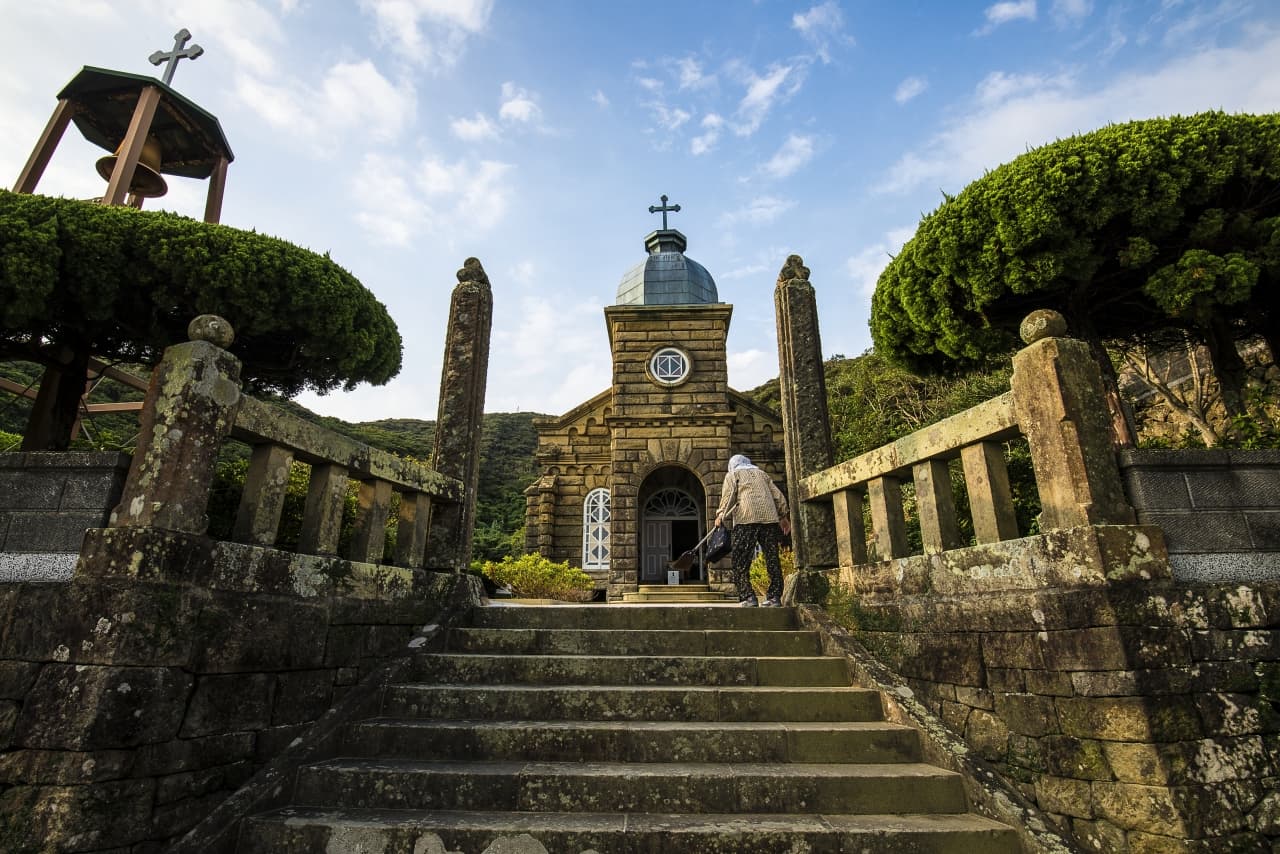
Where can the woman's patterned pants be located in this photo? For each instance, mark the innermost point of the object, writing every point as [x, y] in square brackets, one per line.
[745, 539]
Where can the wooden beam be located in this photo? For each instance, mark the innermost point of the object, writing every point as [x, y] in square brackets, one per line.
[28, 392]
[217, 184]
[131, 148]
[44, 149]
[123, 406]
[132, 380]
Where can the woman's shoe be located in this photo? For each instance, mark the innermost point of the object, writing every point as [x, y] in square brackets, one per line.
[771, 603]
[749, 603]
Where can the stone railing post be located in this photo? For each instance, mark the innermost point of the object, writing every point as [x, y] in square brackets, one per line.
[265, 485]
[457, 444]
[190, 407]
[322, 515]
[1061, 408]
[806, 424]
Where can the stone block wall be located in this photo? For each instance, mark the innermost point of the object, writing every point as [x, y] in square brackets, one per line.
[137, 697]
[1139, 712]
[48, 500]
[1220, 509]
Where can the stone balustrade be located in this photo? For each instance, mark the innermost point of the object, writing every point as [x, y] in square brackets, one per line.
[194, 403]
[1056, 402]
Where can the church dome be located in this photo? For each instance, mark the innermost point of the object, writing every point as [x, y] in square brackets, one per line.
[667, 276]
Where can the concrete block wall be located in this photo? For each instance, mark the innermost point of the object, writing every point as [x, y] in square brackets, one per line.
[48, 500]
[1220, 509]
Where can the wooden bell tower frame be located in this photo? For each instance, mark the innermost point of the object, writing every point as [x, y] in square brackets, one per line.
[118, 111]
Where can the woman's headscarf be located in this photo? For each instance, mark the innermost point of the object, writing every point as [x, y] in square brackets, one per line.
[738, 461]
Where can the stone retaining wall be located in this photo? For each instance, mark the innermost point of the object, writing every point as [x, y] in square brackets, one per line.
[137, 697]
[1138, 712]
[1220, 509]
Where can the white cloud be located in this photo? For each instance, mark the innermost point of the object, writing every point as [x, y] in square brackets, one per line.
[429, 33]
[1006, 11]
[397, 200]
[794, 153]
[400, 212]
[474, 129]
[532, 343]
[910, 88]
[1068, 12]
[523, 272]
[822, 26]
[352, 96]
[779, 83]
[1013, 113]
[998, 86]
[600, 99]
[761, 210]
[750, 368]
[518, 105]
[743, 272]
[690, 76]
[706, 141]
[669, 118]
[649, 84]
[368, 402]
[866, 266]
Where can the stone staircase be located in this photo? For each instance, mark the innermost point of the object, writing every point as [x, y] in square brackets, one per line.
[627, 729]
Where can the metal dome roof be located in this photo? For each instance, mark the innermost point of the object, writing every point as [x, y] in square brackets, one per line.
[667, 276]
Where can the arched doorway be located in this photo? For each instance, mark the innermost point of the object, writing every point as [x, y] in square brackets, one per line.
[672, 513]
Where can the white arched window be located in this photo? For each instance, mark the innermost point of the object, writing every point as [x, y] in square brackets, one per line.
[595, 530]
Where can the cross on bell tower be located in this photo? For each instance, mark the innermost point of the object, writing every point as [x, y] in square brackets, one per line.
[180, 38]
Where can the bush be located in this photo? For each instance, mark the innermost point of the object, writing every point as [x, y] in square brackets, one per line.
[760, 574]
[532, 576]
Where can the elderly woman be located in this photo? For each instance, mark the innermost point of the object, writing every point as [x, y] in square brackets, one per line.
[759, 512]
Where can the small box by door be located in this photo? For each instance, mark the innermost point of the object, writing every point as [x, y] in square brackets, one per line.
[673, 576]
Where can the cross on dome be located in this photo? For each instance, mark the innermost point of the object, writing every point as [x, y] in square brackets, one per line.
[664, 207]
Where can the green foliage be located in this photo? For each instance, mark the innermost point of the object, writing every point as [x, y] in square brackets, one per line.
[1128, 231]
[533, 576]
[507, 465]
[9, 441]
[760, 572]
[872, 401]
[1257, 428]
[845, 607]
[120, 283]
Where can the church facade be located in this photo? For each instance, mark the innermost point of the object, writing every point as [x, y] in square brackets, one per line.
[630, 479]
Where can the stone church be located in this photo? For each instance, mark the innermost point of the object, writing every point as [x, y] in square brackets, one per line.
[631, 478]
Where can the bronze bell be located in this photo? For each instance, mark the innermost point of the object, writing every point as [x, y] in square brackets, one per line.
[147, 181]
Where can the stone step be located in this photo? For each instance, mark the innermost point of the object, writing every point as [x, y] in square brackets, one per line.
[673, 595]
[800, 788]
[635, 741]
[472, 668]
[632, 617]
[295, 830]
[634, 642]
[632, 703]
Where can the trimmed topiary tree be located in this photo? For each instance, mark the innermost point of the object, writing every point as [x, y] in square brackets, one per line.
[1130, 231]
[79, 280]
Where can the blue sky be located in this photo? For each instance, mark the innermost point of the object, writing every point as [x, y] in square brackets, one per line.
[402, 136]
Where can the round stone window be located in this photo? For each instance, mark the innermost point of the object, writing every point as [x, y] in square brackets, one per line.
[669, 366]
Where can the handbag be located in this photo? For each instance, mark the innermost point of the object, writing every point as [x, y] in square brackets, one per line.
[718, 544]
